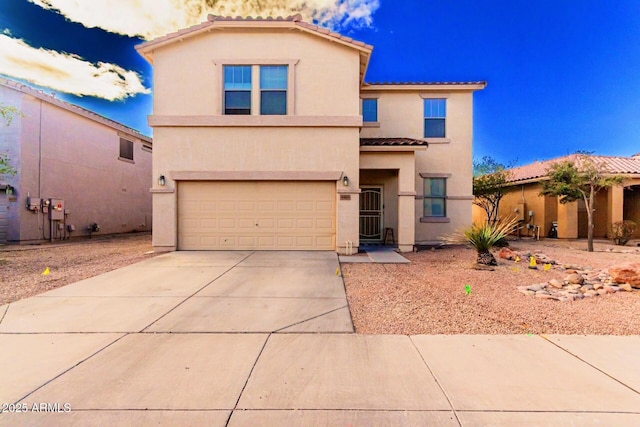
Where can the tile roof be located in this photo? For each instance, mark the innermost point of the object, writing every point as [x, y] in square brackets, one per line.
[422, 83]
[299, 22]
[376, 142]
[26, 89]
[613, 164]
[296, 20]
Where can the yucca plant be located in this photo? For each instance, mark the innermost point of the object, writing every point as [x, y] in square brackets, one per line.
[484, 237]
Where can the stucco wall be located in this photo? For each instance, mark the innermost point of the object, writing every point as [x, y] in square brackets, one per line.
[9, 145]
[67, 156]
[401, 113]
[188, 75]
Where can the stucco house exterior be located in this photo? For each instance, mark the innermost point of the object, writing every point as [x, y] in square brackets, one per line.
[74, 169]
[613, 204]
[267, 137]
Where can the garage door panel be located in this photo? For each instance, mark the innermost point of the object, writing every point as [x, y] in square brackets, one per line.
[227, 206]
[305, 206]
[304, 223]
[289, 215]
[266, 206]
[325, 224]
[324, 206]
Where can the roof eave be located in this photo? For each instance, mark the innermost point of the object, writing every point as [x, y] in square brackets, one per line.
[444, 87]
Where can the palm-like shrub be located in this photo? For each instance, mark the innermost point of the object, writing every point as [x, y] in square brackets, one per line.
[484, 237]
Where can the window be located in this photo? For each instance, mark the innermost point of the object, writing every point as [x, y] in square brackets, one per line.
[273, 89]
[435, 196]
[126, 149]
[237, 89]
[370, 110]
[435, 112]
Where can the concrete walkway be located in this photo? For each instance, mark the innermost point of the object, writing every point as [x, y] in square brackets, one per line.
[246, 339]
[377, 255]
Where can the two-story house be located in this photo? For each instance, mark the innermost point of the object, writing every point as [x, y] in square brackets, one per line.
[266, 137]
[77, 173]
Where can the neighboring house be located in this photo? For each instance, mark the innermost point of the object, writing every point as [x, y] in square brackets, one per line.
[96, 171]
[268, 138]
[613, 204]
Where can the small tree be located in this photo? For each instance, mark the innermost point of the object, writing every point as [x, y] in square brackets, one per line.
[489, 181]
[581, 179]
[7, 112]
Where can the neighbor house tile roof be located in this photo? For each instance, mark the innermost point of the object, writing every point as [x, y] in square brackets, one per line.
[73, 108]
[372, 142]
[613, 165]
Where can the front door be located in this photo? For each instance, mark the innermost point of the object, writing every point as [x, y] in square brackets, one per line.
[371, 206]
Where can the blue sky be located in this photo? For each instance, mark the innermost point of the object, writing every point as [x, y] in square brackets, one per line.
[562, 75]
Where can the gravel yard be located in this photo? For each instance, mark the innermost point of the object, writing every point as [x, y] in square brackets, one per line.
[428, 296]
[21, 267]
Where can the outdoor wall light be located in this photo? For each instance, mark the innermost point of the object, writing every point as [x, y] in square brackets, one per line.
[9, 190]
[161, 181]
[345, 181]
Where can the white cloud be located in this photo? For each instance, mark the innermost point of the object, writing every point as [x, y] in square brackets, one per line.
[153, 18]
[67, 73]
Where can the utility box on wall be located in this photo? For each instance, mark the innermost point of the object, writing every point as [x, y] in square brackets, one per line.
[56, 209]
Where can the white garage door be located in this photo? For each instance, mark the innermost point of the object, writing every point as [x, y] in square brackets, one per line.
[264, 215]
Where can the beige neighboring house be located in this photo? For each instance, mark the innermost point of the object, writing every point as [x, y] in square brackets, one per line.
[74, 168]
[539, 212]
[267, 137]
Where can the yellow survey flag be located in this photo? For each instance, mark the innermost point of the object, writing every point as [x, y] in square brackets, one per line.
[532, 262]
[46, 272]
[547, 267]
[517, 259]
[338, 271]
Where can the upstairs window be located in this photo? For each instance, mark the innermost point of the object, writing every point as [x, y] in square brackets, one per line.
[126, 149]
[237, 89]
[435, 113]
[370, 110]
[273, 89]
[435, 197]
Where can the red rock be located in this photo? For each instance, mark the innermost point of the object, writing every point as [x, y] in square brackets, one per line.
[506, 253]
[626, 273]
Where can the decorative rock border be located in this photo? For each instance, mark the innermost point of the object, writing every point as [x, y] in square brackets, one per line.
[580, 282]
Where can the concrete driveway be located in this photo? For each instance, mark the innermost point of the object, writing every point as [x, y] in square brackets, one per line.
[196, 292]
[262, 338]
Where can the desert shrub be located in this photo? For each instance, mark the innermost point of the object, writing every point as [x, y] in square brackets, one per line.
[484, 237]
[622, 231]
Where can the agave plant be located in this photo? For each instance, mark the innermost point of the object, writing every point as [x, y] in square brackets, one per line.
[484, 237]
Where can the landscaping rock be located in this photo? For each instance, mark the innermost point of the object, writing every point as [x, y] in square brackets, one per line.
[582, 282]
[575, 279]
[555, 283]
[626, 273]
[506, 253]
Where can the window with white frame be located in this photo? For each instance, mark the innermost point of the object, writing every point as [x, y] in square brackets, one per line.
[435, 197]
[435, 113]
[370, 110]
[273, 89]
[237, 89]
